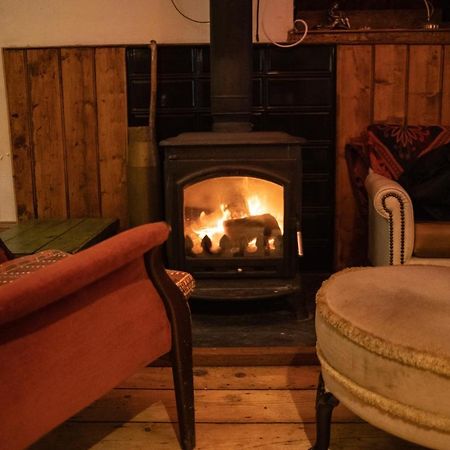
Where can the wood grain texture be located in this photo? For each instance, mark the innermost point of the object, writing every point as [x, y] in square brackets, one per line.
[354, 86]
[48, 139]
[112, 130]
[368, 37]
[256, 378]
[390, 83]
[424, 88]
[411, 85]
[20, 129]
[445, 113]
[212, 436]
[217, 406]
[274, 416]
[80, 119]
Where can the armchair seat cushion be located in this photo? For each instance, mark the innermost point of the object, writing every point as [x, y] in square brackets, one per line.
[432, 239]
[383, 340]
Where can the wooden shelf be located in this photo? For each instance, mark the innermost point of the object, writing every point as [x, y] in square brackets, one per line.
[376, 36]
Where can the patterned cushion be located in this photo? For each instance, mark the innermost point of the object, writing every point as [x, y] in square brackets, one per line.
[13, 269]
[16, 268]
[393, 149]
[389, 150]
[185, 281]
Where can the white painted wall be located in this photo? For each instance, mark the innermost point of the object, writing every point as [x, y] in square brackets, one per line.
[43, 23]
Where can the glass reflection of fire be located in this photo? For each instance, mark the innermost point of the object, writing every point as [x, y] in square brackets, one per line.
[233, 216]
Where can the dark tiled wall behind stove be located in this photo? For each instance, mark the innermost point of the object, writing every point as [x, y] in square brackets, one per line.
[293, 91]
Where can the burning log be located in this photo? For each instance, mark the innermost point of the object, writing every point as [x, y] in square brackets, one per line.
[252, 225]
[242, 231]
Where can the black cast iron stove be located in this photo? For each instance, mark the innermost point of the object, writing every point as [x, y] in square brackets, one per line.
[233, 196]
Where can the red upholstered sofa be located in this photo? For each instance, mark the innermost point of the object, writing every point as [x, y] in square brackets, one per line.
[71, 331]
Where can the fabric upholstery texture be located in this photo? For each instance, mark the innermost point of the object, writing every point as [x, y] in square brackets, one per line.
[390, 150]
[391, 220]
[12, 269]
[184, 281]
[384, 344]
[72, 330]
[395, 148]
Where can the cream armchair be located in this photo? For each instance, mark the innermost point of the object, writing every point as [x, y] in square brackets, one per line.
[394, 237]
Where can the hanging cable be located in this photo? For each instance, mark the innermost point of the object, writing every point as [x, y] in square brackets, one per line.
[187, 17]
[257, 22]
[296, 21]
[430, 9]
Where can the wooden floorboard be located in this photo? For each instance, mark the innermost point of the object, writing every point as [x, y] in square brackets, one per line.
[300, 355]
[263, 407]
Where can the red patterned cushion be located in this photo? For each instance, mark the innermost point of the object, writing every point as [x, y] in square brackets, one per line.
[16, 268]
[394, 148]
[184, 281]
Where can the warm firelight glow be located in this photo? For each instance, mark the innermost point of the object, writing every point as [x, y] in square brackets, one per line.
[234, 214]
[251, 247]
[211, 227]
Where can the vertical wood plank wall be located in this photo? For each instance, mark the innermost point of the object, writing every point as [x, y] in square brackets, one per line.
[68, 121]
[402, 84]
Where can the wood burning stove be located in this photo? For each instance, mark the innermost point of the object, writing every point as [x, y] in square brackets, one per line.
[234, 203]
[232, 196]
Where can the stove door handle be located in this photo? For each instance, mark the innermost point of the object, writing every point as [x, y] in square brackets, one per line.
[299, 243]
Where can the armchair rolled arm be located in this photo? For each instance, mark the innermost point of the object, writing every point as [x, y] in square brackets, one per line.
[391, 221]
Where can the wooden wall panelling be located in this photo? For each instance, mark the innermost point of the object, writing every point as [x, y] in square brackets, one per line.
[390, 80]
[20, 129]
[354, 113]
[48, 138]
[80, 123]
[445, 110]
[112, 130]
[425, 85]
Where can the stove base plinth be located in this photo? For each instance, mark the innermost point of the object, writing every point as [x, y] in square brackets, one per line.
[245, 289]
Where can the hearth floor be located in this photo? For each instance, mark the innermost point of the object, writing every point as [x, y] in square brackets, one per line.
[257, 323]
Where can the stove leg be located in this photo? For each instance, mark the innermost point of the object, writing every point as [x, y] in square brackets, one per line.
[325, 403]
[297, 302]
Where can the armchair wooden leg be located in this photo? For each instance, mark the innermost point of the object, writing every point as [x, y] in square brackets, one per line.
[181, 354]
[184, 392]
[325, 403]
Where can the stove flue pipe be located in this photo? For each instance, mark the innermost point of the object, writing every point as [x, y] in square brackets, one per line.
[231, 64]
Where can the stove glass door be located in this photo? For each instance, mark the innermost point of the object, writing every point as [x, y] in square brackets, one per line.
[233, 216]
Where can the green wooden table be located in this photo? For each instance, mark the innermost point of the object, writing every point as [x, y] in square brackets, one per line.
[70, 235]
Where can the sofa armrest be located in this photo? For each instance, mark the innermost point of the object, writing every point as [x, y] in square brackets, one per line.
[391, 221]
[52, 283]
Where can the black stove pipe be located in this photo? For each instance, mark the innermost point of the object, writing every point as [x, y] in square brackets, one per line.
[231, 64]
